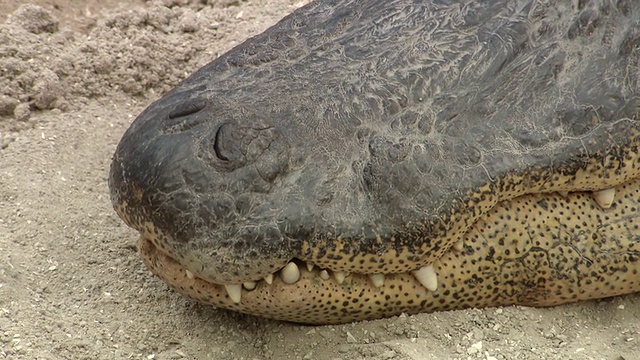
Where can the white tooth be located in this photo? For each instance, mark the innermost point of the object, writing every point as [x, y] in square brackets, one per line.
[604, 198]
[290, 273]
[235, 292]
[426, 275]
[340, 275]
[249, 285]
[564, 194]
[189, 274]
[324, 275]
[377, 279]
[309, 266]
[269, 279]
[458, 245]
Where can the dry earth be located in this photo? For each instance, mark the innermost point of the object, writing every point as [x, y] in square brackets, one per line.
[72, 78]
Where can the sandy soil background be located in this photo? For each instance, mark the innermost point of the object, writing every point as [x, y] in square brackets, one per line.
[73, 75]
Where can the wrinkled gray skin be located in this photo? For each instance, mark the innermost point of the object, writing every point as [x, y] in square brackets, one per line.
[370, 119]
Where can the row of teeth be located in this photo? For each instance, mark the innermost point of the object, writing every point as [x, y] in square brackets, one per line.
[426, 275]
[290, 274]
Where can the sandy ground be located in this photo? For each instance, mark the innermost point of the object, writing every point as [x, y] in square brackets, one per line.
[72, 78]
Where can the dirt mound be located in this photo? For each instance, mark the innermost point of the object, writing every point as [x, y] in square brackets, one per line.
[141, 52]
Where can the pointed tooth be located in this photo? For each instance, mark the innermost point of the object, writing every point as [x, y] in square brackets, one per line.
[340, 275]
[234, 292]
[189, 274]
[269, 279]
[324, 275]
[377, 279]
[426, 275]
[249, 285]
[605, 197]
[309, 266]
[290, 274]
[458, 245]
[564, 194]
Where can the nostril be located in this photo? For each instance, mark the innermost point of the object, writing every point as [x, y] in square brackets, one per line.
[217, 145]
[233, 145]
[187, 108]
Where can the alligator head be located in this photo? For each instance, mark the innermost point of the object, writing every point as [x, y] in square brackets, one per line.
[361, 159]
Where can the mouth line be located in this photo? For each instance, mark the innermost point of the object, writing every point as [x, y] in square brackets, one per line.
[279, 284]
[295, 268]
[291, 273]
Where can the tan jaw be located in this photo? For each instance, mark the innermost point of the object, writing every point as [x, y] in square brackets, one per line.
[537, 250]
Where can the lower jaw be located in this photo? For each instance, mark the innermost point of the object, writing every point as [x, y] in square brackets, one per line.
[494, 268]
[310, 302]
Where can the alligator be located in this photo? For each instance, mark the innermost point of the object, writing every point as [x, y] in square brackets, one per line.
[363, 159]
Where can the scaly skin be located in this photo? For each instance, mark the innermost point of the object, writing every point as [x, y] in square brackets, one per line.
[416, 153]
